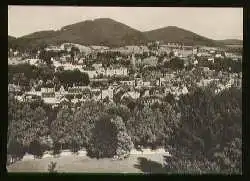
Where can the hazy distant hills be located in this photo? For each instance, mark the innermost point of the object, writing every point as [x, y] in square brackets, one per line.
[11, 38]
[231, 42]
[108, 32]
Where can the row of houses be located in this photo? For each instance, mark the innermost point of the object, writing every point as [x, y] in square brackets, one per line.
[169, 84]
[98, 70]
[73, 94]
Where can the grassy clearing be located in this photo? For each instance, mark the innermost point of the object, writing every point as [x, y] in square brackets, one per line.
[74, 163]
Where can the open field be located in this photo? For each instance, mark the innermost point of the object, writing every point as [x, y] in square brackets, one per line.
[137, 163]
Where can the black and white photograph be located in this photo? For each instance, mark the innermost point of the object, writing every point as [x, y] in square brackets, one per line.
[143, 90]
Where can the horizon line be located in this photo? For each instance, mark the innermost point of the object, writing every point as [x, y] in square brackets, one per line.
[59, 29]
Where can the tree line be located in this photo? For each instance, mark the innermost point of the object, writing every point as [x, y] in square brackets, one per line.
[27, 76]
[202, 131]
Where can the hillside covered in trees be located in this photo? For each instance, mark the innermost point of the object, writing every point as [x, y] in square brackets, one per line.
[108, 32]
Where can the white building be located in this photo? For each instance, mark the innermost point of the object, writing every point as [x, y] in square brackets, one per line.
[51, 100]
[116, 71]
[57, 64]
[68, 66]
[195, 62]
[96, 94]
[184, 90]
[132, 94]
[16, 53]
[33, 61]
[19, 98]
[53, 48]
[97, 66]
[128, 82]
[92, 73]
[107, 93]
[139, 82]
[34, 92]
[211, 60]
[47, 90]
[195, 51]
[218, 55]
[159, 82]
[147, 83]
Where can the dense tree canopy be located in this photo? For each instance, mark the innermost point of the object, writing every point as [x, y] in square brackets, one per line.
[68, 78]
[202, 131]
[28, 75]
[208, 124]
[175, 64]
[109, 137]
[146, 127]
[85, 119]
[61, 130]
[119, 110]
[26, 125]
[219, 64]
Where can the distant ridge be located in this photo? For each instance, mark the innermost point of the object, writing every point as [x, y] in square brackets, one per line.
[11, 41]
[231, 42]
[108, 32]
[10, 38]
[175, 34]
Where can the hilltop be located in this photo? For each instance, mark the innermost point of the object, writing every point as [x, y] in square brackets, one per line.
[175, 34]
[102, 31]
[108, 32]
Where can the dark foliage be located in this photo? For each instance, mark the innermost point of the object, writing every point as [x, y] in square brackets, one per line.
[26, 128]
[102, 143]
[209, 124]
[175, 64]
[15, 149]
[36, 149]
[70, 78]
[109, 137]
[149, 166]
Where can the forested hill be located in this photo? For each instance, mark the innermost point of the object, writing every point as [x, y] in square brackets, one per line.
[108, 32]
[102, 31]
[175, 34]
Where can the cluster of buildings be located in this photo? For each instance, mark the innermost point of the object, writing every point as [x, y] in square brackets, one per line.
[137, 87]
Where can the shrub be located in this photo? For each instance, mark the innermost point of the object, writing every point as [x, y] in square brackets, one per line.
[230, 158]
[15, 150]
[36, 149]
[56, 149]
[46, 143]
[51, 167]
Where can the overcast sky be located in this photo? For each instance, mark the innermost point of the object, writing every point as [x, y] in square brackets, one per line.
[215, 23]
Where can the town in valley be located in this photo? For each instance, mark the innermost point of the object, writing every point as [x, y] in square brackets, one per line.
[100, 96]
[143, 73]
